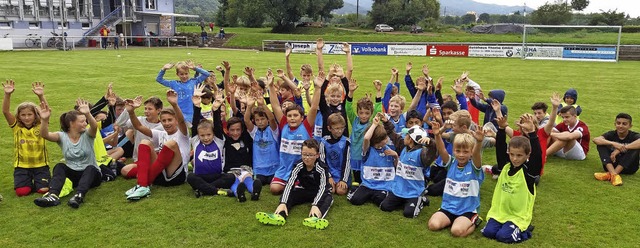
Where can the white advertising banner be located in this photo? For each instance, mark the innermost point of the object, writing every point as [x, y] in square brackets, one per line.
[543, 52]
[308, 47]
[493, 51]
[416, 50]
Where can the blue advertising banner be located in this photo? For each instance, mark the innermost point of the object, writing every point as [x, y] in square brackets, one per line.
[369, 49]
[588, 52]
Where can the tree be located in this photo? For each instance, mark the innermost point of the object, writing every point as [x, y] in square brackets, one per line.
[468, 19]
[252, 12]
[551, 14]
[579, 5]
[404, 12]
[321, 9]
[484, 17]
[611, 17]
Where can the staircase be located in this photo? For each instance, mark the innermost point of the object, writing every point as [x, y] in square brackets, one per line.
[111, 19]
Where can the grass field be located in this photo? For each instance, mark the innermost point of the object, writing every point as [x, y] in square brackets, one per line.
[572, 209]
[253, 37]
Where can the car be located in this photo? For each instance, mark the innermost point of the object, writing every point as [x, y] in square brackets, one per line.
[416, 29]
[383, 28]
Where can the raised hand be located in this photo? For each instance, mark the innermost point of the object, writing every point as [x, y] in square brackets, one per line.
[320, 79]
[9, 87]
[83, 106]
[280, 73]
[378, 85]
[435, 127]
[37, 88]
[251, 100]
[555, 99]
[219, 100]
[425, 70]
[319, 44]
[495, 104]
[502, 122]
[191, 65]
[478, 134]
[232, 88]
[394, 71]
[526, 123]
[437, 115]
[167, 66]
[45, 111]
[409, 67]
[464, 76]
[199, 90]
[269, 78]
[421, 83]
[172, 97]
[457, 86]
[353, 85]
[226, 65]
[382, 117]
[346, 47]
[137, 102]
[480, 95]
[249, 71]
[287, 51]
[439, 84]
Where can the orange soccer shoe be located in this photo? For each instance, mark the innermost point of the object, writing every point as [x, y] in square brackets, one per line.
[602, 176]
[616, 180]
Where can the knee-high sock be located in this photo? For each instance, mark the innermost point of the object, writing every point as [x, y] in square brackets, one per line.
[234, 186]
[144, 164]
[164, 159]
[248, 181]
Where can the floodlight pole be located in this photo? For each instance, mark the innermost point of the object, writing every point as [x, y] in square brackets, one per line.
[357, 12]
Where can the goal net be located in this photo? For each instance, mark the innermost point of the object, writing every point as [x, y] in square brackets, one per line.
[577, 43]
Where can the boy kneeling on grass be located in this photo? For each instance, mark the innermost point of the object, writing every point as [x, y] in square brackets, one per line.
[309, 182]
[515, 192]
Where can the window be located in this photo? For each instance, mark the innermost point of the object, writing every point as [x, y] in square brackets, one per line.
[34, 25]
[150, 4]
[86, 25]
[66, 25]
[6, 25]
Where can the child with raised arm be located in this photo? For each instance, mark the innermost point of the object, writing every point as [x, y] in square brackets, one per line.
[408, 190]
[30, 159]
[166, 166]
[392, 89]
[184, 85]
[335, 87]
[76, 142]
[294, 129]
[509, 218]
[378, 162]
[570, 139]
[461, 198]
[334, 152]
[619, 151]
[360, 119]
[265, 134]
[309, 183]
[304, 84]
[570, 98]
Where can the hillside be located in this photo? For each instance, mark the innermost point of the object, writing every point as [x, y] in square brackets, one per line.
[452, 7]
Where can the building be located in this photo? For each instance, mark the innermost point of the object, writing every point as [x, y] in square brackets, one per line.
[80, 18]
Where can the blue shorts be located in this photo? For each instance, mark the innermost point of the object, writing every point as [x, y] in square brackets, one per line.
[506, 232]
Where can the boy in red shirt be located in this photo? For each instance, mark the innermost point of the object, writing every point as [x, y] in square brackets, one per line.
[570, 139]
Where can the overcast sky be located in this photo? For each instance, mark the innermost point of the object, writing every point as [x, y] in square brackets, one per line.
[631, 7]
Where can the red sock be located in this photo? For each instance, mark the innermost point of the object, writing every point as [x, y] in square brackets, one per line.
[144, 163]
[23, 191]
[164, 159]
[133, 173]
[43, 190]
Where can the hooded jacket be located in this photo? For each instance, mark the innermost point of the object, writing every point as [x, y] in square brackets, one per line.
[572, 93]
[489, 114]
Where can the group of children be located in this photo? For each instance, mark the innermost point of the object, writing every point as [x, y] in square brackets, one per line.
[304, 138]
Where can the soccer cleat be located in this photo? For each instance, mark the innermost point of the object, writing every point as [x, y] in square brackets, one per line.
[355, 184]
[240, 192]
[316, 223]
[197, 193]
[487, 169]
[76, 200]
[139, 193]
[47, 200]
[131, 190]
[270, 219]
[257, 187]
[223, 192]
[602, 176]
[616, 180]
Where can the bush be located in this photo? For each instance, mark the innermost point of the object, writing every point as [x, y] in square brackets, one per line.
[631, 29]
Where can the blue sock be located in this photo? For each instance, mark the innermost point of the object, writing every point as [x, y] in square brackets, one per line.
[248, 181]
[234, 187]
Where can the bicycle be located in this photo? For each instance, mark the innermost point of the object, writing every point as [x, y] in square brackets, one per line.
[33, 40]
[53, 40]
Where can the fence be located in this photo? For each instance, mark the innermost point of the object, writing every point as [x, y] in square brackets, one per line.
[10, 42]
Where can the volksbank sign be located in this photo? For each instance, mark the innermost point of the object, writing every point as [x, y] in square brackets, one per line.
[369, 49]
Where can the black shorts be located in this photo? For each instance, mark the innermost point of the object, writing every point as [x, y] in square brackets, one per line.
[452, 217]
[36, 178]
[179, 177]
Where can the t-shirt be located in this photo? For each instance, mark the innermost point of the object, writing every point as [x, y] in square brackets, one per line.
[266, 154]
[580, 127]
[29, 149]
[613, 136]
[124, 121]
[182, 139]
[78, 155]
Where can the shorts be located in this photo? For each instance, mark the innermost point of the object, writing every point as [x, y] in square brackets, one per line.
[473, 217]
[178, 177]
[277, 180]
[576, 153]
[35, 178]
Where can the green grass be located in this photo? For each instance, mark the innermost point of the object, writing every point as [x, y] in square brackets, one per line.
[253, 37]
[572, 209]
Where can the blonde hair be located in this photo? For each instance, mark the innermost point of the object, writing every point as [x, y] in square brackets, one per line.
[28, 106]
[398, 99]
[306, 68]
[182, 66]
[464, 140]
[334, 88]
[461, 117]
[243, 82]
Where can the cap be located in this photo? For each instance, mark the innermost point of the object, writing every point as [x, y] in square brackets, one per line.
[416, 133]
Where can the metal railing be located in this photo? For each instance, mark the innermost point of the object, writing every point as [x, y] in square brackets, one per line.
[33, 41]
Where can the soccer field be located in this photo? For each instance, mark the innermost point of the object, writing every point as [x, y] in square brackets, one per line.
[572, 209]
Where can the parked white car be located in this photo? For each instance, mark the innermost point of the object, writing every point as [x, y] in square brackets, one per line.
[383, 28]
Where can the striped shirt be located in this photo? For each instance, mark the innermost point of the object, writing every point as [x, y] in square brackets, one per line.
[316, 179]
[30, 150]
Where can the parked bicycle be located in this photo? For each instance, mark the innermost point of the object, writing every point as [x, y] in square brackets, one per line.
[57, 38]
[33, 40]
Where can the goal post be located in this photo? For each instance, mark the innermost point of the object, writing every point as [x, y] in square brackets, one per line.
[571, 42]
